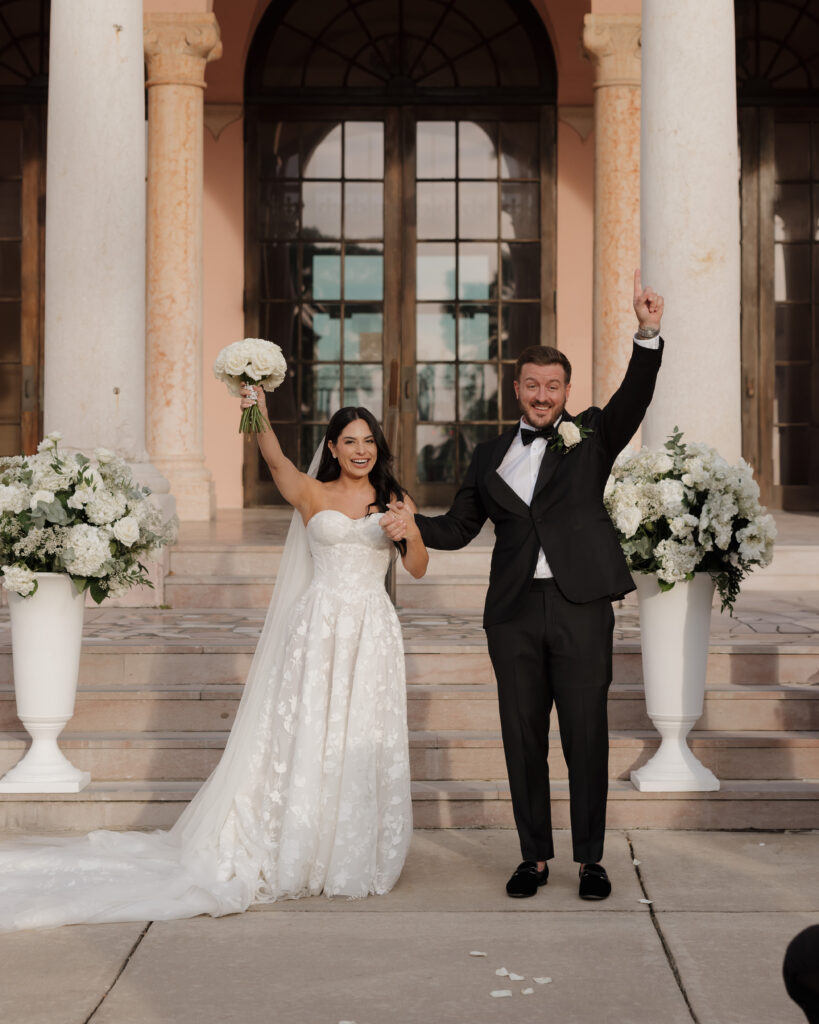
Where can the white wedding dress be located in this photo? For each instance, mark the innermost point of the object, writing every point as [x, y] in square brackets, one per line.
[312, 794]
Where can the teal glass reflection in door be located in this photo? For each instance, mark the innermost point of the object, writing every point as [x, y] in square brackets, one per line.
[363, 335]
[435, 332]
[435, 391]
[364, 274]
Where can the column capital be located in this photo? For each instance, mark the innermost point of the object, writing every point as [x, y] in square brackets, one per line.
[178, 46]
[613, 43]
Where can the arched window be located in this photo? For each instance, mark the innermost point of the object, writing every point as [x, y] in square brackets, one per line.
[400, 219]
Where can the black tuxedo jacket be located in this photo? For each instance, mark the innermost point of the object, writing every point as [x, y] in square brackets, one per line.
[566, 518]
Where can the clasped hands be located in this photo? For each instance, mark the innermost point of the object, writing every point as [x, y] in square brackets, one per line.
[398, 522]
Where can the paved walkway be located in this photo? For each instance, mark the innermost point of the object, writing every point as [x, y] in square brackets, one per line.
[708, 946]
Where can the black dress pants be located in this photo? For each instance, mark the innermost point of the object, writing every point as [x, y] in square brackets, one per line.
[555, 652]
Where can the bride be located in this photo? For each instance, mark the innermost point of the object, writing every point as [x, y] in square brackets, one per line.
[312, 793]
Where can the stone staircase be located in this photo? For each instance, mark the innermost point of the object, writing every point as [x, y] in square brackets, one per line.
[159, 689]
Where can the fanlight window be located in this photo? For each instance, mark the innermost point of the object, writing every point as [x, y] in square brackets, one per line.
[24, 47]
[777, 49]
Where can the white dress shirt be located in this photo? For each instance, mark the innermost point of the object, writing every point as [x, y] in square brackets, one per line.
[521, 465]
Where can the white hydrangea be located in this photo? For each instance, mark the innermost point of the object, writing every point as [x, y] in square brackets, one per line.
[18, 579]
[105, 506]
[13, 498]
[87, 549]
[677, 559]
[126, 530]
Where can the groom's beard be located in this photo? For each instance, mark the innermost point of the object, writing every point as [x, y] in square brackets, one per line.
[538, 418]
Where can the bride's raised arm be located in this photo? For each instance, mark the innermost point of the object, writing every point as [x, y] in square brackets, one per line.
[294, 486]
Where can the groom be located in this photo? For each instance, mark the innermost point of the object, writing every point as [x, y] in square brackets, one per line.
[556, 567]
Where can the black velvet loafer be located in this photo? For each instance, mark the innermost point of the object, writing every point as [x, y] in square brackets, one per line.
[594, 882]
[526, 880]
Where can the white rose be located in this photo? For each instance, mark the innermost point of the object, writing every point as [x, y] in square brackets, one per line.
[126, 530]
[104, 456]
[628, 520]
[46, 497]
[55, 436]
[18, 579]
[570, 433]
[236, 362]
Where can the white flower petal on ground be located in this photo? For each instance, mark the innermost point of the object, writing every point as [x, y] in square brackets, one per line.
[499, 993]
[476, 952]
[502, 972]
[515, 977]
[636, 863]
[542, 981]
[526, 991]
[645, 901]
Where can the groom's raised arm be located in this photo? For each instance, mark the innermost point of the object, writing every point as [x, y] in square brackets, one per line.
[463, 522]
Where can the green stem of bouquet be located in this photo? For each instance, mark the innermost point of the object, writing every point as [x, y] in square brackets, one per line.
[253, 420]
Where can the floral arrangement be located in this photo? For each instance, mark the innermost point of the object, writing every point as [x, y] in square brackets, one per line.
[251, 361]
[71, 514]
[685, 510]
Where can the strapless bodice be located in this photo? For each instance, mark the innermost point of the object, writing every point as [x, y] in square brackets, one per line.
[348, 554]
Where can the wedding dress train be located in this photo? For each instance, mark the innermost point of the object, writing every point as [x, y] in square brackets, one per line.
[312, 793]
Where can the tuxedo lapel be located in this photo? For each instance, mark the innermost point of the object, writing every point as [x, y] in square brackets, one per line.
[550, 462]
[497, 487]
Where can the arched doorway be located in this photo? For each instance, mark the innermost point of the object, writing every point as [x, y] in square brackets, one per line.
[400, 220]
[778, 95]
[23, 94]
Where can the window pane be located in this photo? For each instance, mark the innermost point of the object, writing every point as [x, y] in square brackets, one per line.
[435, 149]
[311, 437]
[321, 150]
[792, 394]
[521, 270]
[278, 321]
[363, 385]
[435, 209]
[321, 334]
[477, 150]
[472, 435]
[9, 270]
[363, 210]
[791, 273]
[793, 340]
[10, 223]
[279, 149]
[792, 148]
[364, 273]
[321, 391]
[279, 205]
[321, 271]
[477, 391]
[792, 455]
[436, 271]
[477, 270]
[519, 149]
[363, 149]
[435, 332]
[10, 332]
[321, 213]
[280, 271]
[478, 209]
[363, 335]
[520, 328]
[436, 447]
[520, 209]
[436, 391]
[10, 147]
[478, 332]
[792, 221]
[510, 410]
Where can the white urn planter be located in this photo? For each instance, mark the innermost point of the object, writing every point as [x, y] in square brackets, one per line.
[674, 629]
[46, 637]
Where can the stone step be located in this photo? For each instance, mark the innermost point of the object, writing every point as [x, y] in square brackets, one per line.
[450, 756]
[430, 708]
[739, 804]
[747, 661]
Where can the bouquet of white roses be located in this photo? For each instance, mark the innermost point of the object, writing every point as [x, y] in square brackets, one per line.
[251, 361]
[685, 510]
[76, 515]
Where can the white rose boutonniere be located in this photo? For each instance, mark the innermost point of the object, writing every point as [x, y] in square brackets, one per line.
[569, 434]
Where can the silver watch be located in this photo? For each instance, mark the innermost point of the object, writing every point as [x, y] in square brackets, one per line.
[646, 333]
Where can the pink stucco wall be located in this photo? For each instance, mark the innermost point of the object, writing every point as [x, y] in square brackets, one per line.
[224, 218]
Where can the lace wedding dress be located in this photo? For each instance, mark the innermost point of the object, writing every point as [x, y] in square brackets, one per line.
[312, 794]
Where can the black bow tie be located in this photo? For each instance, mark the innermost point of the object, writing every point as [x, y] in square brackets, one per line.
[527, 435]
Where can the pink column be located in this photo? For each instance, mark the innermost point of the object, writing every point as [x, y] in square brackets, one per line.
[177, 48]
[613, 42]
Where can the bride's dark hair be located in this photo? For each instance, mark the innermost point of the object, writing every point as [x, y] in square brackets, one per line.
[386, 486]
